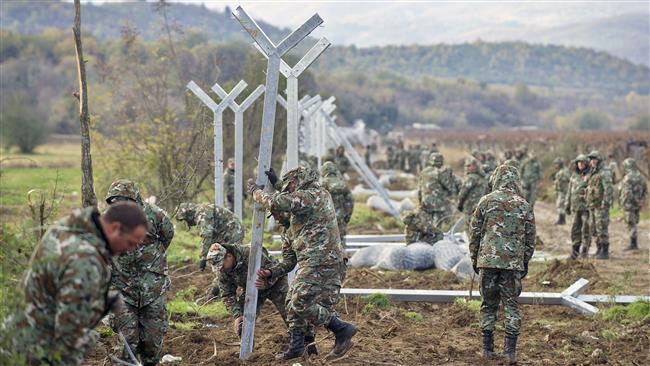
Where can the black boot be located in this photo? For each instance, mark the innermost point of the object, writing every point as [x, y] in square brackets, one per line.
[343, 332]
[584, 251]
[296, 347]
[562, 219]
[510, 350]
[488, 346]
[311, 346]
[633, 244]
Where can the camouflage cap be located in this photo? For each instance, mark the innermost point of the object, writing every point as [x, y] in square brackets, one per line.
[436, 159]
[581, 157]
[186, 211]
[506, 177]
[123, 188]
[558, 161]
[303, 176]
[408, 215]
[328, 168]
[595, 154]
[521, 149]
[216, 256]
[471, 161]
[629, 164]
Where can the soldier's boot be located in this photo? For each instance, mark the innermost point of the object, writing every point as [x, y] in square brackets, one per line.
[561, 220]
[584, 251]
[633, 244]
[488, 346]
[603, 251]
[296, 347]
[599, 249]
[510, 350]
[343, 333]
[575, 251]
[311, 346]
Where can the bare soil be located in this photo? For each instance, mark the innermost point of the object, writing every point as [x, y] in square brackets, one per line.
[448, 334]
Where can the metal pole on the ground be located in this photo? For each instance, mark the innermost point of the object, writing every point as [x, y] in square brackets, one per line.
[217, 110]
[239, 110]
[273, 54]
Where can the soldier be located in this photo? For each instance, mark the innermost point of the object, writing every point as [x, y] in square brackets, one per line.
[229, 262]
[634, 190]
[142, 278]
[507, 155]
[520, 156]
[473, 188]
[418, 227]
[437, 184]
[561, 180]
[330, 156]
[600, 194]
[66, 289]
[341, 160]
[216, 225]
[531, 174]
[577, 205]
[490, 163]
[367, 155]
[414, 159]
[335, 184]
[502, 241]
[229, 184]
[315, 242]
[390, 157]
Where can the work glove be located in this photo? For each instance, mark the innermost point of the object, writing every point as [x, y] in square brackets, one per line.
[273, 178]
[239, 326]
[202, 264]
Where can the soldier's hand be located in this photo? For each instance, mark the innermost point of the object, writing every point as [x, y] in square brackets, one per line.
[273, 178]
[475, 268]
[114, 302]
[251, 186]
[239, 325]
[202, 264]
[262, 278]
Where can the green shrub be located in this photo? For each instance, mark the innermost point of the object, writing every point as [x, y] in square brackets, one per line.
[413, 315]
[376, 301]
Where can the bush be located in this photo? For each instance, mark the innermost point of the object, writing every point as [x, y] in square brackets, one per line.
[22, 124]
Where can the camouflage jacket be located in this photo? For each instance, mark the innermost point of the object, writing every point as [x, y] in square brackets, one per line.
[436, 187]
[488, 166]
[289, 258]
[600, 188]
[142, 275]
[561, 180]
[531, 171]
[473, 188]
[218, 225]
[342, 163]
[577, 199]
[66, 289]
[634, 190]
[231, 281]
[502, 228]
[420, 228]
[313, 229]
[341, 196]
[229, 183]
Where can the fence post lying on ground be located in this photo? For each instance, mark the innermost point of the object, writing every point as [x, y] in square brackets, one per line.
[273, 53]
[239, 110]
[217, 110]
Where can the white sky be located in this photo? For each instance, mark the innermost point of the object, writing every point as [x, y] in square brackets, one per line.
[368, 23]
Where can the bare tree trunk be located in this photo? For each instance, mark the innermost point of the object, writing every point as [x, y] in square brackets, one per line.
[88, 197]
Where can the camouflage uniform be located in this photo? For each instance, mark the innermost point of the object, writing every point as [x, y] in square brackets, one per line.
[414, 159]
[230, 282]
[502, 241]
[577, 206]
[390, 157]
[142, 278]
[418, 227]
[341, 160]
[634, 190]
[336, 185]
[315, 241]
[600, 194]
[561, 180]
[65, 292]
[437, 185]
[473, 188]
[490, 163]
[229, 185]
[531, 173]
[216, 224]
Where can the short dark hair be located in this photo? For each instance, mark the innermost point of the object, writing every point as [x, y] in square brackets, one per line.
[127, 213]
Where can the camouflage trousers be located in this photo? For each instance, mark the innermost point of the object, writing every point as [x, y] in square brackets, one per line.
[230, 201]
[530, 192]
[497, 285]
[277, 294]
[580, 231]
[440, 217]
[599, 220]
[560, 202]
[631, 218]
[144, 328]
[343, 229]
[313, 294]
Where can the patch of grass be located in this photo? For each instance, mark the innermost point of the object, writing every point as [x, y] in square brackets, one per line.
[186, 293]
[413, 315]
[550, 323]
[473, 306]
[376, 301]
[364, 218]
[636, 311]
[610, 335]
[185, 247]
[183, 325]
[214, 309]
[105, 332]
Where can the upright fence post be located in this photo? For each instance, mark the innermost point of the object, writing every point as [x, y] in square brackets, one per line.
[273, 53]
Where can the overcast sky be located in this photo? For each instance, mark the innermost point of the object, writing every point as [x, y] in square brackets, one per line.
[368, 23]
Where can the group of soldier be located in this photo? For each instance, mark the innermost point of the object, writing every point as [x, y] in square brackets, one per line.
[586, 190]
[88, 263]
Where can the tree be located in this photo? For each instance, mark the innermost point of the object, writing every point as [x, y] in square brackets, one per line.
[21, 124]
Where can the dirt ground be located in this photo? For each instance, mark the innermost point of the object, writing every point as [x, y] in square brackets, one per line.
[446, 334]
